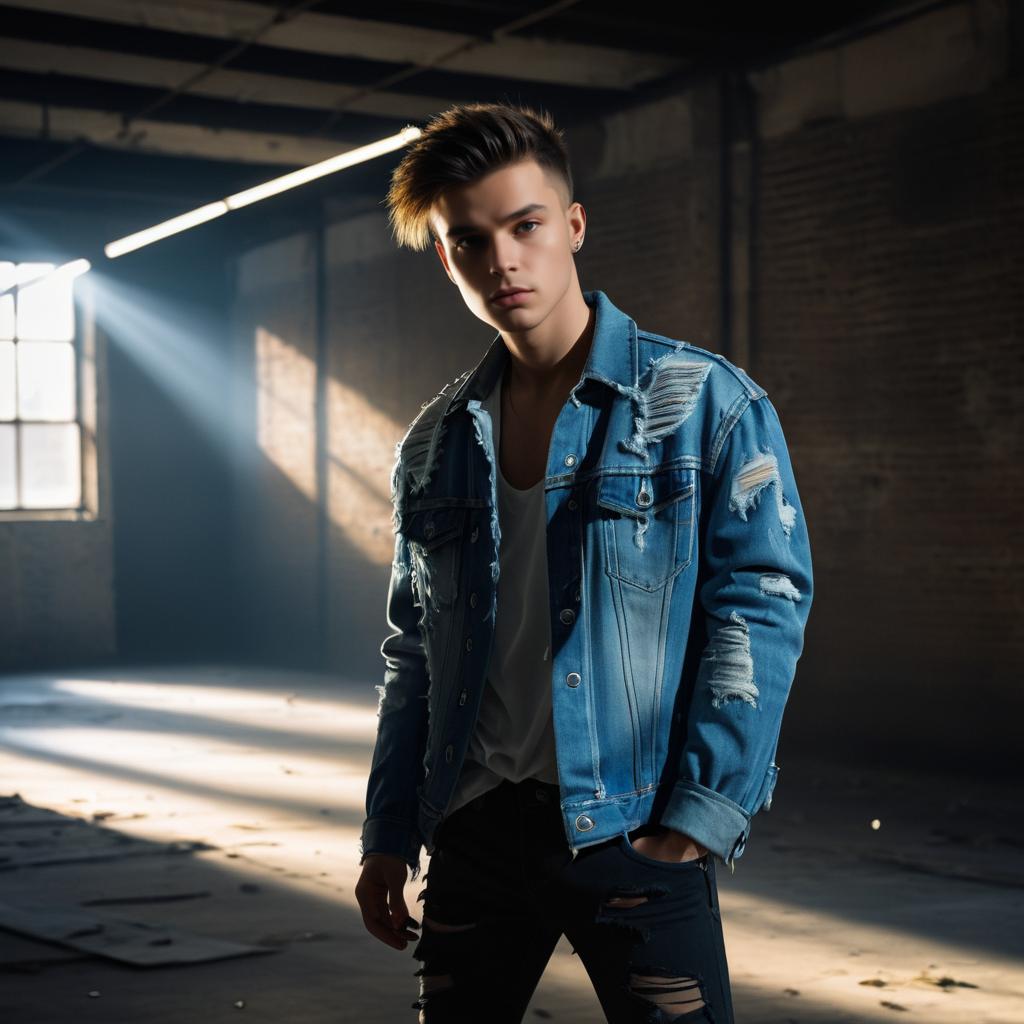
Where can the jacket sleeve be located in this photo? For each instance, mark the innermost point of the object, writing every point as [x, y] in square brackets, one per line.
[397, 767]
[755, 589]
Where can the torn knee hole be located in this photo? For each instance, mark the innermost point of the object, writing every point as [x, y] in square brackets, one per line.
[625, 901]
[435, 983]
[438, 926]
[676, 995]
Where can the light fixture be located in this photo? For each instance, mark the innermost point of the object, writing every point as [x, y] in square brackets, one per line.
[25, 274]
[182, 222]
[75, 268]
[253, 195]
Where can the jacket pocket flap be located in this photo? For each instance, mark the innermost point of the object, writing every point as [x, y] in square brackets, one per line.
[430, 528]
[637, 494]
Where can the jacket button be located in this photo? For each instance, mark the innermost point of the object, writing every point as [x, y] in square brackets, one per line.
[570, 460]
[567, 615]
[472, 600]
[469, 644]
[584, 823]
[448, 752]
[462, 698]
[571, 503]
[643, 498]
[573, 679]
[473, 536]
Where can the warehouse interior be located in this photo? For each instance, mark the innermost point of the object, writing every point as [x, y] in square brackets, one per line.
[195, 516]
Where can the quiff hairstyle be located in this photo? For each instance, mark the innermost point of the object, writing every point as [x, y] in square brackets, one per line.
[462, 144]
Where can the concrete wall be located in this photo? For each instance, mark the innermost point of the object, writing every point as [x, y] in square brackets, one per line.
[846, 227]
[170, 450]
[335, 347]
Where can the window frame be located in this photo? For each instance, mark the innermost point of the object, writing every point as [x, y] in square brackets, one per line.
[87, 352]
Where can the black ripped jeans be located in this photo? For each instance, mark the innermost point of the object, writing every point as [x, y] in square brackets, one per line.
[649, 932]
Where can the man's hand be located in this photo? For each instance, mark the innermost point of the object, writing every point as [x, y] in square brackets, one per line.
[669, 845]
[381, 883]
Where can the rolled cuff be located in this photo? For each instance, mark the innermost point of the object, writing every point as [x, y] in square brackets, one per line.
[713, 820]
[395, 836]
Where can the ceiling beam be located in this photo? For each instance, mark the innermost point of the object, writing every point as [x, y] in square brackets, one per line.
[106, 129]
[223, 83]
[534, 60]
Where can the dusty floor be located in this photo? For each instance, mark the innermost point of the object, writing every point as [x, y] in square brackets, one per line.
[227, 803]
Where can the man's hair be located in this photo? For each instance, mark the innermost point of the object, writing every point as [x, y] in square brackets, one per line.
[462, 144]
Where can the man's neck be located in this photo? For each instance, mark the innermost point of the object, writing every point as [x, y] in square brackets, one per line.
[548, 361]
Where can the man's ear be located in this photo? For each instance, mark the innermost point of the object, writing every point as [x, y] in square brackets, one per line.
[444, 259]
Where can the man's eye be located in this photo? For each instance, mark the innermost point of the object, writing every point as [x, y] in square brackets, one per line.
[468, 239]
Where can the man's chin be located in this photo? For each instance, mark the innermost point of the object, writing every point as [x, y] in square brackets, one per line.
[515, 317]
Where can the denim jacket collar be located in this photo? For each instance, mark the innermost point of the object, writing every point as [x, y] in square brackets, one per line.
[612, 359]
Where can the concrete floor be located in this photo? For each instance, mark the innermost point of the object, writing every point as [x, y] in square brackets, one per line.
[828, 917]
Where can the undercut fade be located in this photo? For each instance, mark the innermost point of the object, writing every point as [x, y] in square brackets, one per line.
[461, 145]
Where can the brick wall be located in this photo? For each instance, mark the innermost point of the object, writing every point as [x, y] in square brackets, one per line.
[867, 275]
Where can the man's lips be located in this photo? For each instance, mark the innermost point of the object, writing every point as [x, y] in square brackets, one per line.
[510, 293]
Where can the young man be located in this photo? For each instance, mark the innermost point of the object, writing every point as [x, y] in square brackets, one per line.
[600, 585]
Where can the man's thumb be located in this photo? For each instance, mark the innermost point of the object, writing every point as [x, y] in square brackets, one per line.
[399, 911]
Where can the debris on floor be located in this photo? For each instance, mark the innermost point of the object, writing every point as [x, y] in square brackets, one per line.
[132, 942]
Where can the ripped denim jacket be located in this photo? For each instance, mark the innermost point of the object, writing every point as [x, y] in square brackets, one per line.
[680, 586]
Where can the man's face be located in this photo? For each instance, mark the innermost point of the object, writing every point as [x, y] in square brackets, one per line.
[484, 249]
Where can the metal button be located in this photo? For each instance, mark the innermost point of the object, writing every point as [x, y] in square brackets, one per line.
[567, 615]
[584, 823]
[643, 498]
[473, 536]
[472, 600]
[448, 752]
[541, 795]
[574, 679]
[571, 503]
[462, 698]
[469, 643]
[570, 460]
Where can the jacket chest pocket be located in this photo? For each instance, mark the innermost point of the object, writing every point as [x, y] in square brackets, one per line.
[646, 524]
[435, 538]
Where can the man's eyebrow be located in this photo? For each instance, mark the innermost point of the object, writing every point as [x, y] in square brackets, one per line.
[462, 229]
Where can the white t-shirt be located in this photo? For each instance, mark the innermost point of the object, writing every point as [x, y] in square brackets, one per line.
[514, 736]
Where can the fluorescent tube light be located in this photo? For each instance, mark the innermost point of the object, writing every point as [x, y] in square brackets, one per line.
[314, 171]
[74, 268]
[31, 273]
[253, 195]
[182, 222]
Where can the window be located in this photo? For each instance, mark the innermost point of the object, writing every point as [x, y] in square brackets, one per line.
[40, 422]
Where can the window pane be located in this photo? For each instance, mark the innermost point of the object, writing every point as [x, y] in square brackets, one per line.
[6, 301]
[45, 308]
[50, 466]
[7, 406]
[8, 491]
[46, 380]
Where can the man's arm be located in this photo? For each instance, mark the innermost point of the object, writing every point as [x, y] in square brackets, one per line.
[397, 766]
[756, 568]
